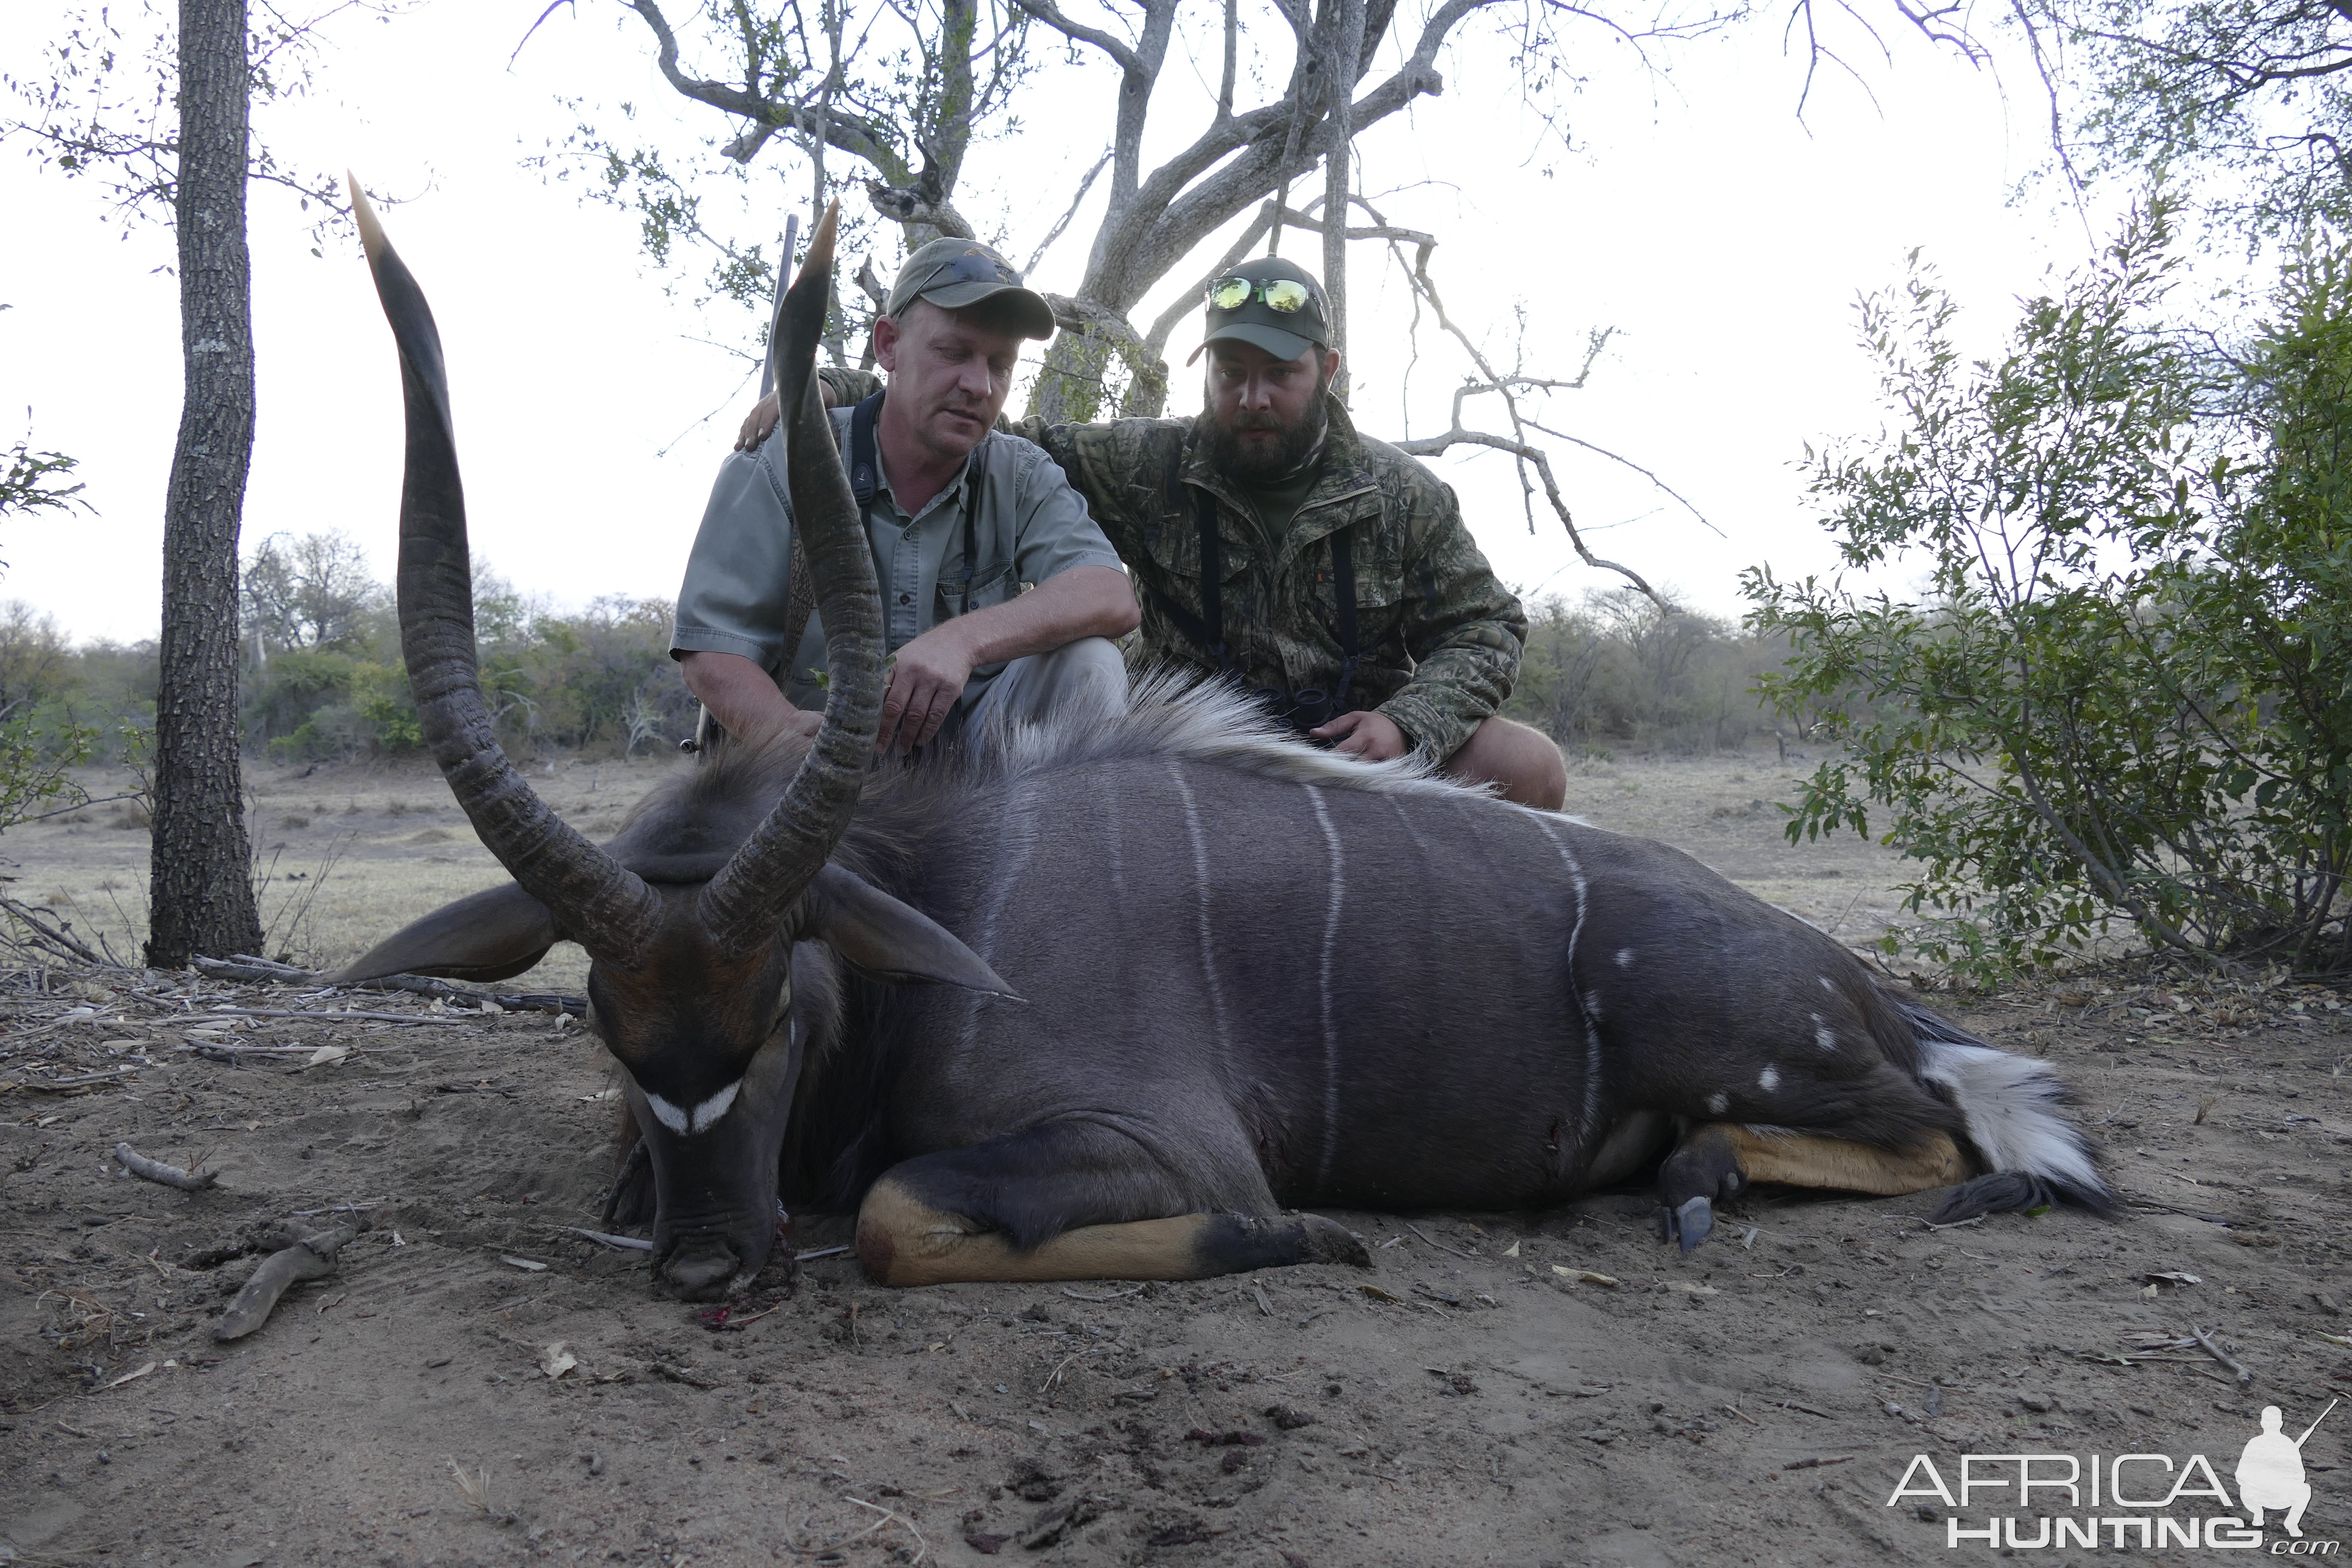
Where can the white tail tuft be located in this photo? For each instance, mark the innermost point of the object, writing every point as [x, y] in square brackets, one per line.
[2011, 1104]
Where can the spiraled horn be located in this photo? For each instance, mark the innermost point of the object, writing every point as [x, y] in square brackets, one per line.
[775, 864]
[596, 901]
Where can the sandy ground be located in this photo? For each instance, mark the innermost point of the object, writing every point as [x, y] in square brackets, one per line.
[1482, 1396]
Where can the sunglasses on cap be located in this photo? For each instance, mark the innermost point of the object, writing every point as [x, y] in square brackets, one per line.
[972, 267]
[1286, 295]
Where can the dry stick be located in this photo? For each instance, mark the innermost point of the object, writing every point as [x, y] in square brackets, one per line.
[312, 1258]
[1439, 1245]
[2205, 1342]
[626, 1243]
[155, 1170]
[247, 967]
[83, 1082]
[322, 1012]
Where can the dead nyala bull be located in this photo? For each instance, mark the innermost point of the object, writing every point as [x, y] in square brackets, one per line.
[1186, 977]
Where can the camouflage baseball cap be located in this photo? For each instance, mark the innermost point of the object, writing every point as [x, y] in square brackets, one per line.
[954, 273]
[1270, 303]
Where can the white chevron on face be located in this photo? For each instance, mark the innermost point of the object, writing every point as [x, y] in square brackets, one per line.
[686, 1123]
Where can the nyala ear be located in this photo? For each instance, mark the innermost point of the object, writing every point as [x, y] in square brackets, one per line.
[882, 938]
[492, 935]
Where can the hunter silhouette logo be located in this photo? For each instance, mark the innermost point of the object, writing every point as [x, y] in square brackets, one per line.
[2270, 1472]
[2148, 1501]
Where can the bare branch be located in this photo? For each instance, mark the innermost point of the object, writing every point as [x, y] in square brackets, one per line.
[1534, 458]
[1119, 54]
[920, 206]
[1063, 223]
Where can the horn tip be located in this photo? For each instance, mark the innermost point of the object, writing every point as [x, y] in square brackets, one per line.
[372, 234]
[819, 256]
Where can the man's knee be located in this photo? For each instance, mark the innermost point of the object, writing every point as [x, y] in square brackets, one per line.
[1086, 676]
[1523, 760]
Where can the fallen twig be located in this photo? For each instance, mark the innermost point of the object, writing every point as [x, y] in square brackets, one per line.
[244, 966]
[1815, 1464]
[626, 1243]
[819, 1252]
[312, 1257]
[155, 1170]
[82, 1080]
[2205, 1342]
[50, 937]
[322, 1012]
[1122, 1295]
[1439, 1245]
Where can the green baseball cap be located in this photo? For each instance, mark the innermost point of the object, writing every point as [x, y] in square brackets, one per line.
[1269, 303]
[954, 273]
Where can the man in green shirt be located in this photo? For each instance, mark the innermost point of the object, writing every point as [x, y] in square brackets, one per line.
[999, 593]
[1325, 571]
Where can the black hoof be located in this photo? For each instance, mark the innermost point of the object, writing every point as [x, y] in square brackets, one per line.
[1688, 1224]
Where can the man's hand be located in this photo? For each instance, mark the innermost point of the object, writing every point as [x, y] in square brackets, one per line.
[1371, 735]
[763, 420]
[926, 679]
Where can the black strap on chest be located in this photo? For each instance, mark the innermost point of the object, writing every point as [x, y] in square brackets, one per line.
[1210, 630]
[1213, 581]
[865, 481]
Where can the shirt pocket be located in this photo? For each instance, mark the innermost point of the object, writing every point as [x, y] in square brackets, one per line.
[994, 586]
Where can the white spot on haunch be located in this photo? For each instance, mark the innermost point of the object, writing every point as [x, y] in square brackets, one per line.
[1768, 1079]
[1624, 958]
[1717, 1104]
[1828, 984]
[686, 1123]
[1823, 1036]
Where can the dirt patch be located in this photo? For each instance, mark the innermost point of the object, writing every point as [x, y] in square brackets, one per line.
[1480, 1396]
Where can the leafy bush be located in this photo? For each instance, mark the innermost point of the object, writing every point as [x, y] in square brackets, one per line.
[1618, 668]
[2126, 695]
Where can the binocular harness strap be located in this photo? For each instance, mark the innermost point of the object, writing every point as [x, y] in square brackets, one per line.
[1208, 631]
[865, 483]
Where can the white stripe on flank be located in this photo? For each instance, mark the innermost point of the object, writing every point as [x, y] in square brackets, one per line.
[1590, 1122]
[1107, 804]
[1016, 829]
[1331, 1017]
[1201, 878]
[1411, 829]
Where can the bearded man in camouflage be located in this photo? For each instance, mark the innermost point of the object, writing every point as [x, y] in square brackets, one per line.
[1270, 542]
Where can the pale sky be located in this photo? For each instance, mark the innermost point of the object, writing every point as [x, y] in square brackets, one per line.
[1724, 239]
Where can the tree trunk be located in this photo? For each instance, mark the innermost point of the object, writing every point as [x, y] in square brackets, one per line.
[201, 898]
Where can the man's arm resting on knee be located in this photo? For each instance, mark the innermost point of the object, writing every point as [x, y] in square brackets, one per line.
[929, 672]
[741, 697]
[1084, 601]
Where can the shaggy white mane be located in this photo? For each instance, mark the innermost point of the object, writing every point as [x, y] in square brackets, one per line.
[1174, 713]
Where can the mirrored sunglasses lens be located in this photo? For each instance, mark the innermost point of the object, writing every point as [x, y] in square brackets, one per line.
[1230, 295]
[1286, 295]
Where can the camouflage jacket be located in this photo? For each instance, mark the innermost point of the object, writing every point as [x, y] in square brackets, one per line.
[1438, 637]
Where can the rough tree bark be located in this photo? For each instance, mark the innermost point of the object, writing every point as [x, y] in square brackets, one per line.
[201, 888]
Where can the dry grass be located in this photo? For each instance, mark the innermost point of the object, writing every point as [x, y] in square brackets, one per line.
[352, 853]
